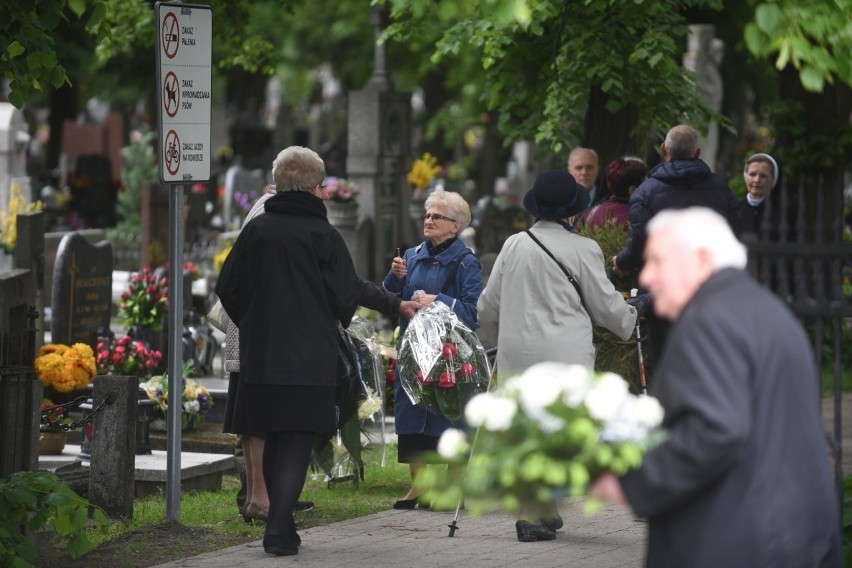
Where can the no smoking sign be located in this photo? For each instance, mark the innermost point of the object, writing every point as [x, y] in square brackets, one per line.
[184, 75]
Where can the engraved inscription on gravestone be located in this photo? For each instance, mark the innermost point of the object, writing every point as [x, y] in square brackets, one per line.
[82, 291]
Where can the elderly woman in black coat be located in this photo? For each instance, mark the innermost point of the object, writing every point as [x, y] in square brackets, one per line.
[287, 283]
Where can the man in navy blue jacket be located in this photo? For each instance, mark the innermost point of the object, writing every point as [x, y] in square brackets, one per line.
[681, 180]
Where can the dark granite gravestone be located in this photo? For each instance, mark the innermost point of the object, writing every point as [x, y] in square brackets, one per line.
[20, 393]
[82, 291]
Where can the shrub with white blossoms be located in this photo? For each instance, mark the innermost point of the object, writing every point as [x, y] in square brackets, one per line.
[546, 432]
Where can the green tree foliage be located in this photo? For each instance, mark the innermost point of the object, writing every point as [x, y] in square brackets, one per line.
[815, 36]
[29, 59]
[140, 168]
[35, 501]
[540, 60]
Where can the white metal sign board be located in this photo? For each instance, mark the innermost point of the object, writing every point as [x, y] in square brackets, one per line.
[184, 79]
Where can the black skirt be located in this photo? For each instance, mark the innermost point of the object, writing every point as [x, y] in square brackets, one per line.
[256, 409]
[417, 447]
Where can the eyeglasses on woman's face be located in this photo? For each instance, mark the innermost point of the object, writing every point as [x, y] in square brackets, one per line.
[436, 217]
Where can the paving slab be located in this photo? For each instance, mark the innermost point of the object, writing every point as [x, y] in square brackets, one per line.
[390, 539]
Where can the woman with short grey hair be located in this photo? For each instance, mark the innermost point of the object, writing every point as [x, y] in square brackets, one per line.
[287, 284]
[441, 268]
[455, 204]
[298, 169]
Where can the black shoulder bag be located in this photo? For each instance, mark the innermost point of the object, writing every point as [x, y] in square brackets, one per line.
[350, 386]
[571, 279]
[453, 271]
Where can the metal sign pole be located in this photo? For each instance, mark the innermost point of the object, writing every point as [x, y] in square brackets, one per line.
[173, 440]
[184, 89]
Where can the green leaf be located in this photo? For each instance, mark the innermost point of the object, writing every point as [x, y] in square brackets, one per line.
[77, 6]
[768, 17]
[579, 477]
[783, 55]
[15, 49]
[79, 545]
[603, 455]
[812, 79]
[756, 40]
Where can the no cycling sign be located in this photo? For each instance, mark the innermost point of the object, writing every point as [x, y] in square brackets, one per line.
[184, 79]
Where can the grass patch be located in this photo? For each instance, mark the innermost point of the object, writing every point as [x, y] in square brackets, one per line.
[218, 510]
[209, 520]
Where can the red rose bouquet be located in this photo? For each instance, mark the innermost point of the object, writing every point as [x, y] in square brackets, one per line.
[442, 364]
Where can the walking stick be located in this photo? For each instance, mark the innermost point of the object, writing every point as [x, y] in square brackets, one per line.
[454, 526]
[642, 379]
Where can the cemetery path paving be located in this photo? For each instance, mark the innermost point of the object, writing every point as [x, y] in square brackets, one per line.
[610, 538]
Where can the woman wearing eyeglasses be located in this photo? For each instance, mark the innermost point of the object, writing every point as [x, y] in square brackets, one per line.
[428, 269]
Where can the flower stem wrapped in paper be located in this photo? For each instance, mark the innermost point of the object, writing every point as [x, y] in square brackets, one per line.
[340, 456]
[543, 434]
[442, 364]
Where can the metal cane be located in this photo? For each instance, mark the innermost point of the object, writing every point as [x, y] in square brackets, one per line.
[642, 379]
[454, 524]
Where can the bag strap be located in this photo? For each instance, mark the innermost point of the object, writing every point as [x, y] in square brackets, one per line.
[451, 277]
[571, 279]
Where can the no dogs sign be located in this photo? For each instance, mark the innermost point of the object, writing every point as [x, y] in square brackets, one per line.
[184, 78]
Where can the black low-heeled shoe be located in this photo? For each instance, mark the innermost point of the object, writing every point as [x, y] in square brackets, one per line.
[529, 532]
[279, 545]
[553, 523]
[293, 535]
[406, 504]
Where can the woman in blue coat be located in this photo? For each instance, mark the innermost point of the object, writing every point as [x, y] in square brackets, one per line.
[440, 268]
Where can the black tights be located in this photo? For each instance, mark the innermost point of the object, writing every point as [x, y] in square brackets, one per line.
[286, 457]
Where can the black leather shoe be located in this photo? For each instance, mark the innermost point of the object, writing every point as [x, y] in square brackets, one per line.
[406, 504]
[528, 532]
[293, 535]
[304, 505]
[553, 523]
[279, 545]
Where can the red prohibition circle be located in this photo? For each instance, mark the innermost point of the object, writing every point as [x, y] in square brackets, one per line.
[171, 94]
[171, 152]
[170, 34]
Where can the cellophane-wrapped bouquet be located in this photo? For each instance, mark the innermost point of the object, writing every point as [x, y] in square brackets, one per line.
[372, 372]
[339, 459]
[442, 364]
[546, 433]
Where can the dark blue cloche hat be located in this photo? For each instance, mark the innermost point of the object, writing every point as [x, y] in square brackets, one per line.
[556, 195]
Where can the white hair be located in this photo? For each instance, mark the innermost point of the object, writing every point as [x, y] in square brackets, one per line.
[700, 228]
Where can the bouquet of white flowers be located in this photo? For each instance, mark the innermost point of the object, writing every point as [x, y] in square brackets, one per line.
[442, 364]
[545, 433]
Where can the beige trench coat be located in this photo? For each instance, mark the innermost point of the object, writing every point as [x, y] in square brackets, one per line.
[531, 311]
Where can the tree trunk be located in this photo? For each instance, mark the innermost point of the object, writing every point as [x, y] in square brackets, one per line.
[63, 106]
[608, 133]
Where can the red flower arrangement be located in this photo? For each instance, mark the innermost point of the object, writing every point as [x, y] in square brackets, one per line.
[127, 357]
[145, 302]
[442, 364]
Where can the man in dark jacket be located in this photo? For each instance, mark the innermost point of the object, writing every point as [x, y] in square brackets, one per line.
[681, 180]
[743, 478]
